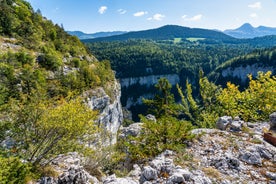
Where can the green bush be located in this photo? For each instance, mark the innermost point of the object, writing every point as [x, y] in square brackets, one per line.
[14, 171]
[157, 136]
[50, 62]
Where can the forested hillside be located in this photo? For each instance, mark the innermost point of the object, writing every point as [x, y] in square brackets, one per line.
[31, 43]
[145, 57]
[44, 72]
[169, 32]
[237, 69]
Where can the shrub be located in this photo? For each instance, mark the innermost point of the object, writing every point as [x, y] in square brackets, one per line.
[157, 136]
[254, 103]
[50, 62]
[14, 171]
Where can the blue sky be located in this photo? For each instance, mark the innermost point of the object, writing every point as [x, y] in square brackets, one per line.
[130, 15]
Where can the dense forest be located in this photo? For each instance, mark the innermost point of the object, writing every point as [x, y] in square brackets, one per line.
[134, 58]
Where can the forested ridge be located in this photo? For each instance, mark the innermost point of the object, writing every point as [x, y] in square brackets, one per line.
[169, 32]
[132, 58]
[140, 57]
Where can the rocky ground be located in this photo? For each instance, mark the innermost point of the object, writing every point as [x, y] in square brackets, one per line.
[237, 154]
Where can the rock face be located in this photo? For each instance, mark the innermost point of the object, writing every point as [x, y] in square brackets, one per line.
[241, 72]
[69, 170]
[149, 80]
[223, 122]
[109, 107]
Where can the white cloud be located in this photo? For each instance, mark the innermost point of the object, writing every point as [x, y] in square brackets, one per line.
[194, 18]
[158, 17]
[257, 5]
[184, 17]
[253, 15]
[102, 9]
[139, 14]
[121, 11]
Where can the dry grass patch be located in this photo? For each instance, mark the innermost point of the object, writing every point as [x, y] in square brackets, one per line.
[212, 172]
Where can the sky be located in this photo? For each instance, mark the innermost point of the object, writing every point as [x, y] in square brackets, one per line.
[92, 16]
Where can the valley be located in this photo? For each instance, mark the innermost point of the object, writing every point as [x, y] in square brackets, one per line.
[168, 104]
[181, 52]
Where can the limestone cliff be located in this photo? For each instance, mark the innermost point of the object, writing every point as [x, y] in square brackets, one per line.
[134, 89]
[148, 80]
[241, 72]
[109, 107]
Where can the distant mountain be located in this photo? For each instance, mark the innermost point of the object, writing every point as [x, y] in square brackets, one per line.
[82, 35]
[248, 31]
[168, 32]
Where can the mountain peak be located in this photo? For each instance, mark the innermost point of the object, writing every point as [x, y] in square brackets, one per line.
[246, 27]
[248, 31]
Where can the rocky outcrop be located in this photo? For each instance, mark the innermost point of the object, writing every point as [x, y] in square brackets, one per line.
[69, 170]
[235, 154]
[215, 156]
[109, 107]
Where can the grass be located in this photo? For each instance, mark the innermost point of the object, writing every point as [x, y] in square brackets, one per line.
[194, 39]
[212, 172]
[177, 40]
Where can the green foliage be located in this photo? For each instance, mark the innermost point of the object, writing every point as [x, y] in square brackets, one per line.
[132, 58]
[163, 102]
[50, 62]
[166, 133]
[39, 109]
[255, 103]
[42, 129]
[14, 171]
[204, 112]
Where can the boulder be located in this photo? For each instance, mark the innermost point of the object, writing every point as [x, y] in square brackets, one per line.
[265, 153]
[225, 163]
[114, 180]
[223, 122]
[176, 178]
[74, 176]
[184, 172]
[132, 130]
[151, 117]
[252, 158]
[272, 120]
[236, 125]
[271, 175]
[47, 180]
[149, 173]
